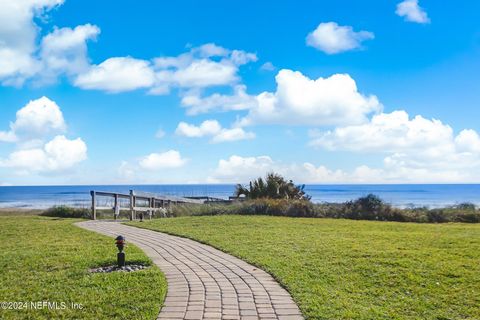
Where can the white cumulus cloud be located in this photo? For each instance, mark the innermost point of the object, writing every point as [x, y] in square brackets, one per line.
[242, 169]
[300, 100]
[26, 56]
[411, 11]
[117, 74]
[59, 154]
[213, 129]
[35, 149]
[199, 73]
[36, 119]
[18, 34]
[332, 38]
[205, 66]
[208, 127]
[238, 169]
[468, 140]
[389, 132]
[416, 149]
[239, 100]
[166, 160]
[7, 136]
[65, 50]
[232, 134]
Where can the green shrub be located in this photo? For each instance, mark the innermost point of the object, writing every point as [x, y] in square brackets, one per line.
[208, 209]
[272, 207]
[466, 206]
[67, 212]
[279, 207]
[373, 208]
[370, 207]
[274, 186]
[470, 217]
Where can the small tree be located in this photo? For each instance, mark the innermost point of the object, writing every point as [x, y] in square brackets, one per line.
[274, 186]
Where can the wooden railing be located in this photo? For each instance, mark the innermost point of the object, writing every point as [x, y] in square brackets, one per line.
[153, 203]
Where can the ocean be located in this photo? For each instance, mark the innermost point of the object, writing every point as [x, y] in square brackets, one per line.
[430, 195]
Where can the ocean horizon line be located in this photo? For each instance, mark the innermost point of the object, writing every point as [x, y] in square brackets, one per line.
[235, 183]
[399, 195]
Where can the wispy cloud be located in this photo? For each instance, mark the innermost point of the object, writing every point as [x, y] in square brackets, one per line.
[332, 38]
[411, 11]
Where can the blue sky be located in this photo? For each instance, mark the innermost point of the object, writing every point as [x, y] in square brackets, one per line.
[215, 91]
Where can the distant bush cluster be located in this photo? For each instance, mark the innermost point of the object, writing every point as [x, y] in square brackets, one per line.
[67, 212]
[273, 207]
[370, 207]
[275, 196]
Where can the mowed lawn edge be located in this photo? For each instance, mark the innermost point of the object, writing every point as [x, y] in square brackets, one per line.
[48, 259]
[345, 269]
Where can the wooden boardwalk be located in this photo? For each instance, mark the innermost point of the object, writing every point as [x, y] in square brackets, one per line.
[203, 282]
[141, 202]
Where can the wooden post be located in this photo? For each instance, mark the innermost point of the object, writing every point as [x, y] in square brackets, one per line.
[115, 207]
[152, 208]
[94, 205]
[132, 204]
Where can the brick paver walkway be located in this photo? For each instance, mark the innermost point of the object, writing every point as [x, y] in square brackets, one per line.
[205, 283]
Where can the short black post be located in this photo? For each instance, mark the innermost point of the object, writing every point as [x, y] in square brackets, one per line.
[121, 259]
[120, 242]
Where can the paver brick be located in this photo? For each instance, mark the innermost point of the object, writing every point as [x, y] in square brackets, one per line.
[203, 282]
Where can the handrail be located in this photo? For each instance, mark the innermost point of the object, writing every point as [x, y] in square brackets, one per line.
[155, 202]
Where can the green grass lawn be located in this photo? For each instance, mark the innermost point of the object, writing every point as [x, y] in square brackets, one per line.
[344, 269]
[47, 259]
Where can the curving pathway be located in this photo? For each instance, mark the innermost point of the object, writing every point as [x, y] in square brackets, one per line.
[203, 282]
